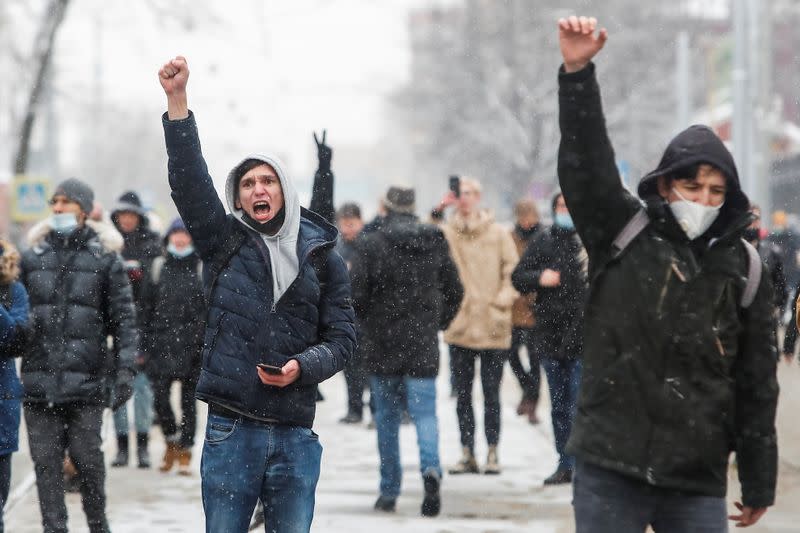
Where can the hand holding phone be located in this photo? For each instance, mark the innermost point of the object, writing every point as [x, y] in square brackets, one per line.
[270, 369]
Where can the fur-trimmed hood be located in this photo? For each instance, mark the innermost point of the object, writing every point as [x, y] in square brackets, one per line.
[108, 235]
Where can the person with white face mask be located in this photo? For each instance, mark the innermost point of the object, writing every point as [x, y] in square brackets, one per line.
[174, 316]
[79, 296]
[679, 351]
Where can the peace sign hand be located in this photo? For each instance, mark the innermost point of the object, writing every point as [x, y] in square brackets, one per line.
[324, 152]
[578, 41]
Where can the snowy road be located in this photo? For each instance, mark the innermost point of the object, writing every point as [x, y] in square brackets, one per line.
[146, 500]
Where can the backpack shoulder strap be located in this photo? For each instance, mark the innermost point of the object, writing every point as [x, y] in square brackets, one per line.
[754, 269]
[632, 229]
[155, 269]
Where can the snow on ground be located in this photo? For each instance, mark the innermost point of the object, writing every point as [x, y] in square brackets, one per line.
[146, 500]
[515, 501]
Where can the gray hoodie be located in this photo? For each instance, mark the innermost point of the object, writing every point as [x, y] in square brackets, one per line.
[283, 245]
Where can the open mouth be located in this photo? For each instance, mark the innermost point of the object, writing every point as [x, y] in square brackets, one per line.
[261, 210]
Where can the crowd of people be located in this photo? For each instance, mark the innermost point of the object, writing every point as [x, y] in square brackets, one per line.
[654, 320]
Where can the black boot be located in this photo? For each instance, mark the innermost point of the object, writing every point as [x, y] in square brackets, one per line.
[141, 450]
[432, 503]
[122, 451]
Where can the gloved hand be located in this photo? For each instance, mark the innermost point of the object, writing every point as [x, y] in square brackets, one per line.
[123, 389]
[324, 152]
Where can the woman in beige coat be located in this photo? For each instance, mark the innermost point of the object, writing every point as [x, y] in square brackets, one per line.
[485, 255]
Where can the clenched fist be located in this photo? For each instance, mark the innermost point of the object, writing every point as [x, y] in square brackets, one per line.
[173, 77]
[578, 42]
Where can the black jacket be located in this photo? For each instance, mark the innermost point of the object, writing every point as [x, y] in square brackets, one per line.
[141, 247]
[558, 310]
[174, 317]
[79, 295]
[405, 289]
[676, 374]
[312, 322]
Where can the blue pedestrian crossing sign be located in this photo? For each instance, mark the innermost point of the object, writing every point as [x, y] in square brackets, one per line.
[30, 199]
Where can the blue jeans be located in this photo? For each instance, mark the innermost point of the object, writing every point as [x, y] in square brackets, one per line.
[244, 461]
[607, 502]
[420, 396]
[563, 379]
[142, 407]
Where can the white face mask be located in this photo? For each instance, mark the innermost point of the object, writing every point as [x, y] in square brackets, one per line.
[63, 223]
[693, 218]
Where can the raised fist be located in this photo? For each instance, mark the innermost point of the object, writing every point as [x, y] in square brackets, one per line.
[578, 42]
[174, 75]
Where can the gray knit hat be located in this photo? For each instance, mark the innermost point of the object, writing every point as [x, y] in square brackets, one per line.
[76, 191]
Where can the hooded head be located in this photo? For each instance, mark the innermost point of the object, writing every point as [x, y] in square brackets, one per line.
[261, 196]
[128, 214]
[270, 207]
[693, 147]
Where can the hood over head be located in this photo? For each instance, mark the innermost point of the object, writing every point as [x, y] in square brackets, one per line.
[129, 202]
[283, 244]
[698, 144]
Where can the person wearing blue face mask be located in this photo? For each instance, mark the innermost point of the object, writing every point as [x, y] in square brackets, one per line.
[174, 317]
[554, 267]
[79, 297]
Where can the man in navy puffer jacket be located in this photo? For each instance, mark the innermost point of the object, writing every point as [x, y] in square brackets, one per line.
[277, 294]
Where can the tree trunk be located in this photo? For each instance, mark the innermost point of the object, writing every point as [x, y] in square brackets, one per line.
[43, 51]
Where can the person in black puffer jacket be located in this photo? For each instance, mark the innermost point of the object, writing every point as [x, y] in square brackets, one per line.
[79, 296]
[141, 246]
[174, 318]
[280, 321]
[680, 347]
[406, 289]
[554, 267]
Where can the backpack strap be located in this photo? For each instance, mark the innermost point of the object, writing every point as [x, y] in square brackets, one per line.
[632, 229]
[754, 270]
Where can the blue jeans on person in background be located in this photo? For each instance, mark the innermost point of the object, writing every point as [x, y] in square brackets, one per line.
[563, 379]
[420, 399]
[142, 407]
[244, 461]
[605, 501]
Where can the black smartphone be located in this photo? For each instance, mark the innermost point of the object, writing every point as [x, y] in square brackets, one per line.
[270, 369]
[455, 185]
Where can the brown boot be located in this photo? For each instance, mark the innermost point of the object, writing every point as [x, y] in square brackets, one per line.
[170, 456]
[525, 407]
[532, 418]
[184, 461]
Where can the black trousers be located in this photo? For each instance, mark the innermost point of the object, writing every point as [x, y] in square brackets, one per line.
[529, 380]
[52, 429]
[166, 415]
[462, 362]
[5, 484]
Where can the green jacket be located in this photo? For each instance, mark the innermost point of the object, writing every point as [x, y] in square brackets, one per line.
[676, 374]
